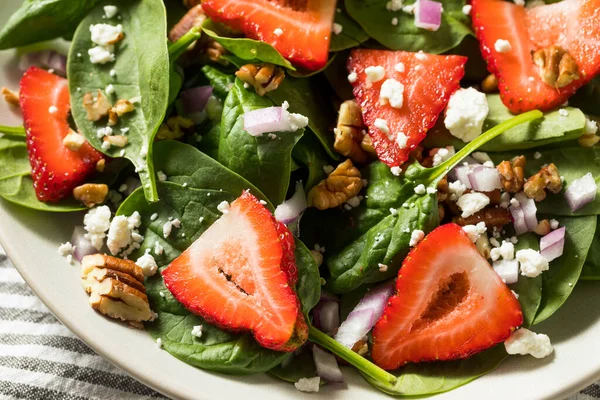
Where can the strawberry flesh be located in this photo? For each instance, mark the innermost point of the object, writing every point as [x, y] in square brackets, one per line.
[237, 276]
[56, 170]
[300, 31]
[449, 304]
[429, 81]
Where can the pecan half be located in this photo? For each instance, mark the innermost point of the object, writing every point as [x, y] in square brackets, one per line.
[350, 132]
[512, 174]
[489, 84]
[96, 108]
[342, 184]
[10, 96]
[91, 194]
[557, 67]
[491, 216]
[193, 18]
[547, 178]
[263, 77]
[588, 140]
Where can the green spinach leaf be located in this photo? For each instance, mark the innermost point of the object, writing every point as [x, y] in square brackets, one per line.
[528, 289]
[309, 153]
[15, 131]
[376, 20]
[297, 367]
[142, 71]
[588, 97]
[221, 82]
[591, 267]
[352, 35]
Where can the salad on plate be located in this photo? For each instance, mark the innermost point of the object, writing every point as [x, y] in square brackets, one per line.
[293, 187]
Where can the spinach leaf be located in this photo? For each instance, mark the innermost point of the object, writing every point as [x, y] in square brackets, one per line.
[352, 34]
[591, 267]
[376, 20]
[309, 153]
[40, 20]
[588, 97]
[265, 161]
[572, 163]
[528, 289]
[552, 128]
[16, 184]
[297, 367]
[142, 70]
[558, 282]
[16, 131]
[220, 81]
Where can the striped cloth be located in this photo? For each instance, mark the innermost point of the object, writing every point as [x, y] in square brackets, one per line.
[42, 359]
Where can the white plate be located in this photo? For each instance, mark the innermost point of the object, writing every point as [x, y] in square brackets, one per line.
[31, 240]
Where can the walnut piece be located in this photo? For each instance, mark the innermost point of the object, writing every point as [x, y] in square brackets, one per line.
[174, 128]
[91, 194]
[557, 67]
[10, 96]
[548, 178]
[193, 18]
[116, 288]
[543, 227]
[342, 184]
[100, 165]
[117, 140]
[512, 174]
[98, 108]
[588, 140]
[489, 84]
[491, 216]
[367, 145]
[350, 132]
[73, 141]
[263, 77]
[122, 107]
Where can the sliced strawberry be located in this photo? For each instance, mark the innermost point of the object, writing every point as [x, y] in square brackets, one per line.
[299, 30]
[288, 260]
[570, 24]
[233, 277]
[55, 169]
[449, 304]
[428, 80]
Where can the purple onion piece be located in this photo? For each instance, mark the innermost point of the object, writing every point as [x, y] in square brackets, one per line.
[194, 100]
[428, 15]
[83, 247]
[327, 366]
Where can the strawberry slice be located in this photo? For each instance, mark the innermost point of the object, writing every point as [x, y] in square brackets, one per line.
[428, 82]
[449, 304]
[56, 170]
[570, 24]
[299, 30]
[233, 277]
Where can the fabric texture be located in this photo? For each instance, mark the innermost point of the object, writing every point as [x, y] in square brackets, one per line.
[41, 359]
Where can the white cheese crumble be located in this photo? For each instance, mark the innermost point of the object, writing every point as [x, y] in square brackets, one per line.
[336, 28]
[591, 127]
[553, 224]
[442, 154]
[158, 249]
[537, 155]
[409, 9]
[197, 331]
[119, 234]
[105, 34]
[401, 140]
[375, 73]
[506, 251]
[308, 384]
[382, 267]
[297, 121]
[223, 207]
[475, 231]
[96, 222]
[456, 190]
[169, 225]
[392, 93]
[352, 77]
[466, 112]
[110, 89]
[420, 189]
[399, 67]
[110, 11]
[395, 21]
[66, 249]
[278, 32]
[421, 56]
[523, 341]
[467, 9]
[101, 54]
[161, 176]
[470, 203]
[382, 125]
[396, 171]
[531, 262]
[394, 5]
[159, 343]
[52, 109]
[502, 46]
[415, 237]
[147, 264]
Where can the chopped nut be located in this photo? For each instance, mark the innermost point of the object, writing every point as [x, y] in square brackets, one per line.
[588, 140]
[547, 178]
[342, 184]
[361, 347]
[443, 190]
[441, 212]
[73, 141]
[492, 216]
[117, 140]
[490, 84]
[174, 128]
[123, 107]
[103, 261]
[349, 133]
[557, 67]
[193, 18]
[512, 174]
[98, 108]
[10, 96]
[91, 194]
[100, 165]
[263, 77]
[367, 145]
[112, 117]
[214, 50]
[543, 227]
[100, 274]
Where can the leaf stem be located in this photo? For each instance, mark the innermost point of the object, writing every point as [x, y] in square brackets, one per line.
[18, 131]
[439, 171]
[361, 363]
[177, 48]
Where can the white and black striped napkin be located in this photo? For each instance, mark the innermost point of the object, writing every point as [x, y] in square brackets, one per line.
[42, 359]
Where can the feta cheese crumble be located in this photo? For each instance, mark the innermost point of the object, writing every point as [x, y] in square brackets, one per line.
[420, 189]
[101, 54]
[470, 203]
[119, 234]
[352, 77]
[591, 127]
[394, 5]
[197, 331]
[105, 34]
[523, 341]
[110, 11]
[336, 28]
[158, 249]
[475, 231]
[506, 251]
[553, 224]
[96, 222]
[223, 207]
[502, 46]
[66, 249]
[159, 343]
[308, 384]
[328, 169]
[147, 264]
[399, 67]
[456, 190]
[415, 237]
[442, 155]
[531, 262]
[52, 109]
[466, 111]
[382, 125]
[394, 21]
[278, 32]
[392, 93]
[467, 9]
[375, 73]
[396, 171]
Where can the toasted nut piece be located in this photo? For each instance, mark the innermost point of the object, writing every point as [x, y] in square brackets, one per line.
[512, 174]
[547, 178]
[588, 140]
[88, 263]
[117, 290]
[342, 184]
[120, 310]
[543, 227]
[492, 216]
[441, 212]
[193, 18]
[117, 140]
[73, 141]
[263, 77]
[91, 194]
[100, 274]
[483, 245]
[490, 84]
[214, 50]
[10, 96]
[557, 67]
[100, 165]
[367, 144]
[98, 108]
[361, 347]
[123, 107]
[113, 118]
[443, 190]
[350, 132]
[317, 256]
[174, 128]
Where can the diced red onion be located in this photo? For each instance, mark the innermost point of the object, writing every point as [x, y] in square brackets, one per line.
[329, 317]
[552, 245]
[461, 173]
[327, 366]
[83, 247]
[484, 179]
[364, 316]
[49, 59]
[428, 15]
[518, 220]
[529, 210]
[326, 296]
[290, 210]
[266, 120]
[508, 270]
[194, 102]
[581, 191]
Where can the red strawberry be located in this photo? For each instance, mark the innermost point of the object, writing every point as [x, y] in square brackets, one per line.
[570, 24]
[449, 304]
[300, 31]
[233, 277]
[288, 260]
[56, 170]
[428, 80]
